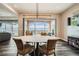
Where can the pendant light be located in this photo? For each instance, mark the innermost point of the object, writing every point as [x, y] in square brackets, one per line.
[37, 11]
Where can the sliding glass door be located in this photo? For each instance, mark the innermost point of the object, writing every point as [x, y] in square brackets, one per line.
[10, 26]
[38, 26]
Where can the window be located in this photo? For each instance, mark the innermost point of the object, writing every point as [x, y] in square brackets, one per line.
[38, 26]
[10, 26]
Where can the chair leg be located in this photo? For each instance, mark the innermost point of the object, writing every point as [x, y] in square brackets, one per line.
[34, 52]
[54, 54]
[17, 54]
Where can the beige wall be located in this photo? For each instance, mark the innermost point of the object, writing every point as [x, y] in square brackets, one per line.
[59, 26]
[68, 13]
[20, 24]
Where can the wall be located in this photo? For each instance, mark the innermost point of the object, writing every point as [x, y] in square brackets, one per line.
[68, 13]
[73, 31]
[20, 24]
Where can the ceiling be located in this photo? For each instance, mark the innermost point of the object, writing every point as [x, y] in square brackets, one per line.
[4, 11]
[30, 8]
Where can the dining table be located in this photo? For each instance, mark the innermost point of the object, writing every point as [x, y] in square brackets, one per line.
[36, 39]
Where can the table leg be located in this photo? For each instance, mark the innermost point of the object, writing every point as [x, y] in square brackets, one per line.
[36, 52]
[37, 49]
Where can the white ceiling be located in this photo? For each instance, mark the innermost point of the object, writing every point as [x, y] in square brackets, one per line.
[42, 7]
[4, 11]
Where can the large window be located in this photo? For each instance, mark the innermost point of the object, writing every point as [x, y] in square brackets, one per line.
[38, 26]
[10, 26]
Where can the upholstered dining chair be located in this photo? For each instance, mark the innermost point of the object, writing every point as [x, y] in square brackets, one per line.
[44, 33]
[28, 33]
[49, 48]
[23, 49]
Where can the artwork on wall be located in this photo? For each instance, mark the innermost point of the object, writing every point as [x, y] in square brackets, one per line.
[73, 21]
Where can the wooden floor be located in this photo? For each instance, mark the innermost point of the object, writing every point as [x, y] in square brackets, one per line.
[62, 49]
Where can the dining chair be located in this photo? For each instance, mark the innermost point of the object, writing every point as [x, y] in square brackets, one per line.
[23, 49]
[49, 48]
[28, 33]
[44, 33]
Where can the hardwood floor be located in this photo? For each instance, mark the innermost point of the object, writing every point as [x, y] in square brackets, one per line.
[62, 49]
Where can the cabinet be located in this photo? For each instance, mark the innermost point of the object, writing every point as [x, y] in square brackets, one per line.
[74, 41]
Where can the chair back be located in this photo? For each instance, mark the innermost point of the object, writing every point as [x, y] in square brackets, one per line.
[19, 43]
[28, 33]
[51, 44]
[43, 33]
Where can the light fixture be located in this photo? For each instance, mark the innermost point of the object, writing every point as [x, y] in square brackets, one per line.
[37, 11]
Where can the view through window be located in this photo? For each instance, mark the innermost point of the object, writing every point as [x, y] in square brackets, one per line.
[10, 26]
[40, 26]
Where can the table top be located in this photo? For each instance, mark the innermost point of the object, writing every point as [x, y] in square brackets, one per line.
[36, 38]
